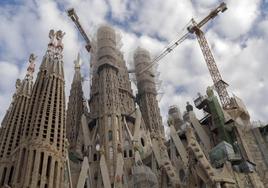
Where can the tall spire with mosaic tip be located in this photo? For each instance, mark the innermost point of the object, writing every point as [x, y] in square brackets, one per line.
[11, 127]
[42, 150]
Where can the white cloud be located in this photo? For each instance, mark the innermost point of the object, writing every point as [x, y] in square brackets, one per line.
[239, 18]
[8, 74]
[242, 61]
[263, 27]
[119, 9]
[164, 18]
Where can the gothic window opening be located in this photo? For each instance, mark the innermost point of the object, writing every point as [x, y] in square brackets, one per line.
[3, 176]
[95, 157]
[41, 163]
[142, 142]
[110, 135]
[55, 174]
[10, 175]
[130, 153]
[48, 166]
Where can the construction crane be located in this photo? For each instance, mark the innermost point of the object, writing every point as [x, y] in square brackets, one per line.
[195, 28]
[219, 84]
[72, 14]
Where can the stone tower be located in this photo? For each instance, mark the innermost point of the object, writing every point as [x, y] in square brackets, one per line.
[147, 93]
[75, 108]
[12, 124]
[111, 107]
[174, 115]
[74, 129]
[42, 149]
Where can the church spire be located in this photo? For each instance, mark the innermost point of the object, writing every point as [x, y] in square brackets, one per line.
[54, 53]
[13, 123]
[77, 62]
[25, 85]
[75, 108]
[77, 67]
[42, 150]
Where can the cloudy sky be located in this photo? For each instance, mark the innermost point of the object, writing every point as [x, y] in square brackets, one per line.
[238, 39]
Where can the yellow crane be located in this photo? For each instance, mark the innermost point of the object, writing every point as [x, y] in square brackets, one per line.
[72, 14]
[195, 28]
[219, 84]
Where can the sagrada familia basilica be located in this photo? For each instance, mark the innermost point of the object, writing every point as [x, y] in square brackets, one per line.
[116, 139]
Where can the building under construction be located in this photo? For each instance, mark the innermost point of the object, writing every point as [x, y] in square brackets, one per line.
[115, 139]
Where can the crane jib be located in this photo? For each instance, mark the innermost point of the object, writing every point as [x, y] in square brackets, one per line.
[208, 56]
[72, 14]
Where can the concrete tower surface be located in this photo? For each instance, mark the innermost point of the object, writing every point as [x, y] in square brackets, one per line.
[42, 150]
[12, 124]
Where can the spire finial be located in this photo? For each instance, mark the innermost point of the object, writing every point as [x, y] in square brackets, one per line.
[55, 44]
[31, 67]
[77, 62]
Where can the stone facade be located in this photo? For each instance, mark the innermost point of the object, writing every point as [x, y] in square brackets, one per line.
[119, 141]
[37, 141]
[11, 126]
[112, 111]
[258, 147]
[125, 146]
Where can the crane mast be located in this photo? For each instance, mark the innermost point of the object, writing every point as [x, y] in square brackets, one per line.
[219, 84]
[72, 14]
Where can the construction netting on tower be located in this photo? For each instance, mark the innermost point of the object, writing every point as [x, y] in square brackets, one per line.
[150, 77]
